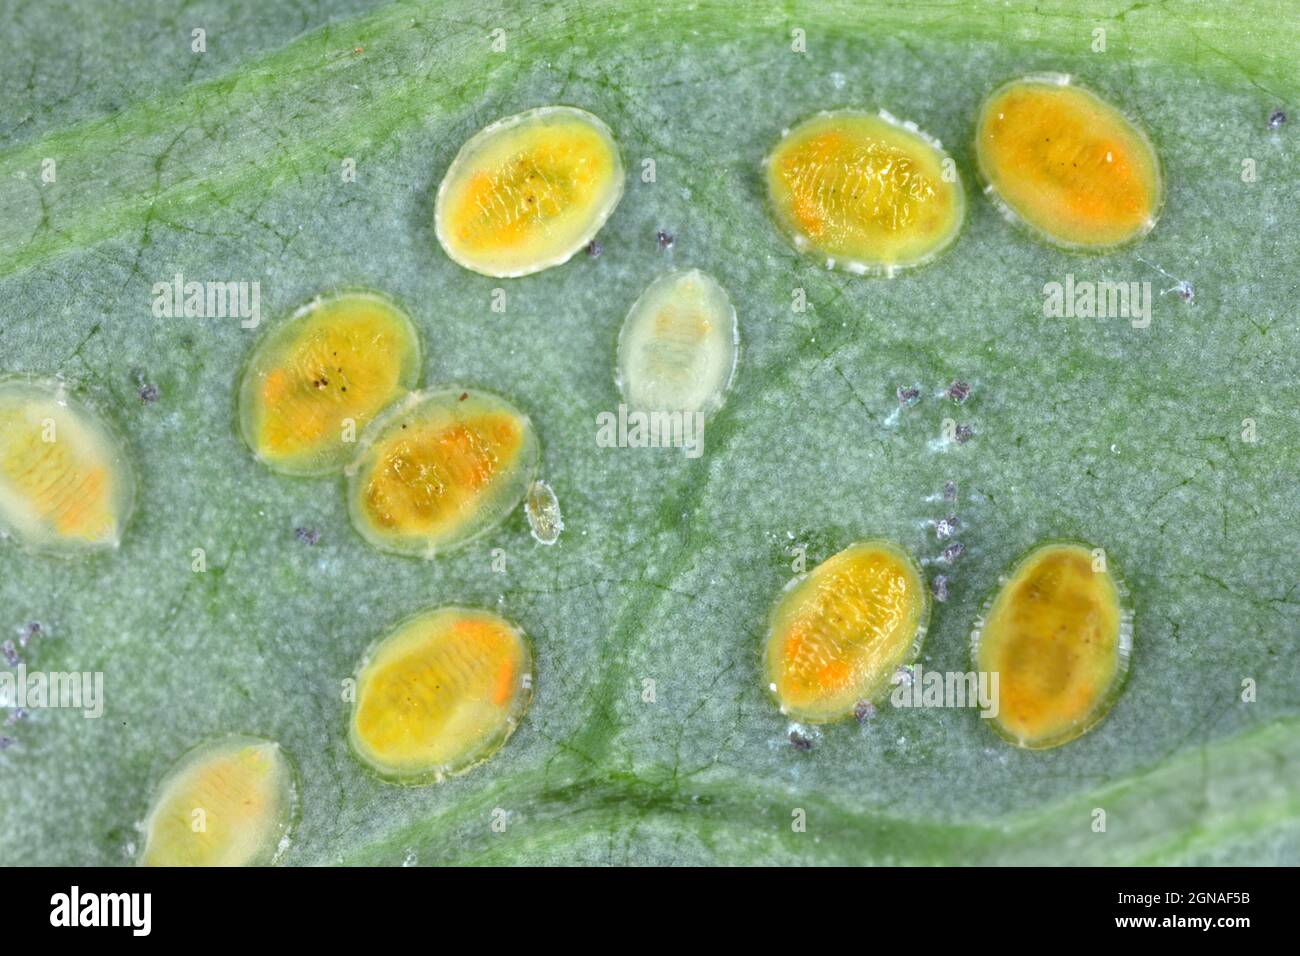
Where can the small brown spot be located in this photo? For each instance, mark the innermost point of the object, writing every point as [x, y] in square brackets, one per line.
[463, 396]
[799, 742]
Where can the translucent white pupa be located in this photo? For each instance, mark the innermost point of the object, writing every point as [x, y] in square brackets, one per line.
[542, 507]
[679, 346]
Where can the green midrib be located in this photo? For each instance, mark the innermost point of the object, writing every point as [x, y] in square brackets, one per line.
[1138, 809]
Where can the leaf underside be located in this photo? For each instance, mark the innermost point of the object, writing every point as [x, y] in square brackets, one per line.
[226, 166]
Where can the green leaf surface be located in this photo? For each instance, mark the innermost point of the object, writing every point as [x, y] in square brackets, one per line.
[226, 166]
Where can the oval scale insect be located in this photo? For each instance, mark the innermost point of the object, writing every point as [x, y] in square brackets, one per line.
[838, 634]
[228, 802]
[529, 191]
[1058, 635]
[319, 377]
[439, 469]
[678, 347]
[865, 192]
[440, 694]
[66, 482]
[1069, 165]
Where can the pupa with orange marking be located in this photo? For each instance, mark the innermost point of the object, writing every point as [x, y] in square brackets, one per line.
[838, 634]
[1067, 164]
[319, 377]
[440, 694]
[228, 802]
[67, 484]
[528, 191]
[864, 192]
[1059, 634]
[439, 469]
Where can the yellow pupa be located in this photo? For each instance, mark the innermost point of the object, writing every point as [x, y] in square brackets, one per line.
[229, 802]
[837, 636]
[1067, 164]
[1058, 635]
[440, 468]
[319, 377]
[529, 191]
[440, 694]
[864, 192]
[66, 482]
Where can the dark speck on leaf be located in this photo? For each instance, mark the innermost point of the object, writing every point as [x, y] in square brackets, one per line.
[1276, 119]
[665, 240]
[945, 528]
[953, 552]
[27, 632]
[950, 491]
[464, 395]
[939, 587]
[864, 710]
[308, 536]
[594, 249]
[959, 391]
[963, 434]
[6, 743]
[908, 396]
[148, 393]
[10, 654]
[799, 742]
